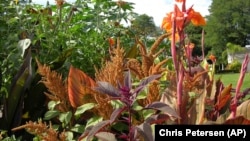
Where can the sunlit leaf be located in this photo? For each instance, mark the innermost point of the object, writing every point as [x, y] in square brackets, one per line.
[79, 84]
[52, 104]
[65, 117]
[84, 108]
[243, 109]
[93, 121]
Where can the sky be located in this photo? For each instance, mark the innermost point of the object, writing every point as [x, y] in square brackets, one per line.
[155, 8]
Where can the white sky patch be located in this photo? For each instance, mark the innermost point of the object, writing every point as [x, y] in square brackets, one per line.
[155, 8]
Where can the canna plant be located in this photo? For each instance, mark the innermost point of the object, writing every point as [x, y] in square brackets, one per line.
[197, 97]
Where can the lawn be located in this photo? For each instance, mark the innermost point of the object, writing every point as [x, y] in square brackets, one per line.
[232, 78]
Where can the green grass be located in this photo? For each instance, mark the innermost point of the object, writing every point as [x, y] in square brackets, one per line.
[232, 78]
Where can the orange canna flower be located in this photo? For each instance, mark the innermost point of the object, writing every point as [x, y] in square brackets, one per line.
[177, 37]
[179, 0]
[179, 17]
[193, 16]
[167, 22]
[196, 18]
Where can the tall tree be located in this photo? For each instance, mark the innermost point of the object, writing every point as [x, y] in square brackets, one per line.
[229, 21]
[144, 25]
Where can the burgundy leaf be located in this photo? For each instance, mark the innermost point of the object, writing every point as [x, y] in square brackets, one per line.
[145, 130]
[106, 136]
[97, 128]
[86, 132]
[116, 113]
[157, 119]
[164, 108]
[127, 80]
[107, 88]
[145, 82]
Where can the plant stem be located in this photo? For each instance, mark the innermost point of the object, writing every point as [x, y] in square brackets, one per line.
[239, 84]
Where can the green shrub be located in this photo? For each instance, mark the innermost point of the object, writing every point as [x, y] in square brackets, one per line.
[235, 66]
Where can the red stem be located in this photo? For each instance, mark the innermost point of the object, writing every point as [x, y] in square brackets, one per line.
[239, 84]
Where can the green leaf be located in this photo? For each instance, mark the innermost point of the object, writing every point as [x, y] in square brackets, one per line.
[116, 104]
[52, 104]
[83, 108]
[65, 117]
[51, 114]
[133, 52]
[93, 121]
[147, 113]
[78, 128]
[69, 136]
[120, 126]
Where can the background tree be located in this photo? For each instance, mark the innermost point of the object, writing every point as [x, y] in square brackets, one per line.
[229, 21]
[144, 25]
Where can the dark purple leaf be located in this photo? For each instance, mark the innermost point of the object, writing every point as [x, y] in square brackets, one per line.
[97, 128]
[145, 130]
[107, 88]
[145, 82]
[127, 80]
[116, 113]
[157, 119]
[106, 136]
[164, 108]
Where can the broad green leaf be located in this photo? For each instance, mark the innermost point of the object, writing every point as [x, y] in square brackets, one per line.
[65, 117]
[69, 136]
[51, 114]
[93, 121]
[120, 126]
[52, 104]
[80, 110]
[78, 128]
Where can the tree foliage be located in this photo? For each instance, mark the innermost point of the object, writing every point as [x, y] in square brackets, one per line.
[228, 22]
[144, 25]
